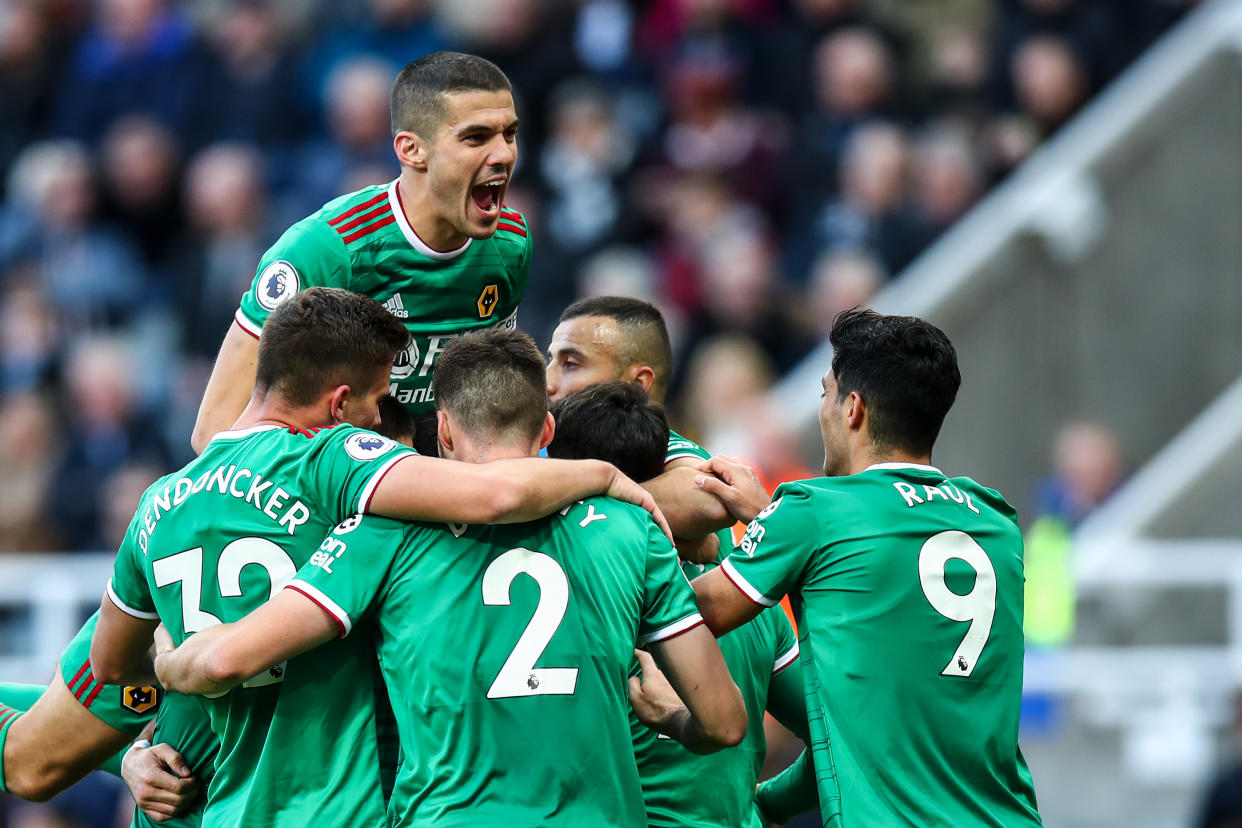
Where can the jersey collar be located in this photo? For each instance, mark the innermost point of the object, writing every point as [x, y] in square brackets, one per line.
[394, 199]
[243, 432]
[894, 466]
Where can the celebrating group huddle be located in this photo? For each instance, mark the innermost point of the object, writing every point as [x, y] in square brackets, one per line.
[354, 633]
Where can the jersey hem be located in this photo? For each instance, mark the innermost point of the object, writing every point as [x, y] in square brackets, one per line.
[893, 466]
[784, 661]
[735, 578]
[670, 458]
[246, 325]
[127, 609]
[673, 630]
[368, 491]
[324, 603]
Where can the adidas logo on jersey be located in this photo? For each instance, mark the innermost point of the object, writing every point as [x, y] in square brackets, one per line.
[396, 307]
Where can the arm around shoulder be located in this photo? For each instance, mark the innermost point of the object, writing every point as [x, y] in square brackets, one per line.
[230, 385]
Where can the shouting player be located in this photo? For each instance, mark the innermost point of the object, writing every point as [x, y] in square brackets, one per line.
[219, 537]
[437, 246]
[510, 694]
[910, 592]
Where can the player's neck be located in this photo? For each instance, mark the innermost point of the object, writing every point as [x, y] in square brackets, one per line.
[271, 410]
[433, 231]
[867, 456]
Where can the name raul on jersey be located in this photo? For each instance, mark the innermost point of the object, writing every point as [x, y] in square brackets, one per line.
[241, 483]
[914, 495]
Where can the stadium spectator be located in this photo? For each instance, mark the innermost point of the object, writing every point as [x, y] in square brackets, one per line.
[1087, 469]
[840, 280]
[141, 178]
[225, 204]
[27, 78]
[1050, 81]
[138, 56]
[26, 455]
[91, 274]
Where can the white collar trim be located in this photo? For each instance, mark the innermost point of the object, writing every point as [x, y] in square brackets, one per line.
[890, 466]
[244, 432]
[418, 244]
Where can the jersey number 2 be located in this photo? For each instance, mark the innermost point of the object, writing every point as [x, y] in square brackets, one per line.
[977, 606]
[519, 676]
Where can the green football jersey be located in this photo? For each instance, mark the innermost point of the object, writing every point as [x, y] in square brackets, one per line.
[362, 242]
[213, 541]
[183, 723]
[679, 447]
[681, 788]
[908, 590]
[505, 650]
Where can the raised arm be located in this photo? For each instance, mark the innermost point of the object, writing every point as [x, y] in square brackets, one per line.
[232, 380]
[502, 491]
[120, 648]
[219, 658]
[714, 715]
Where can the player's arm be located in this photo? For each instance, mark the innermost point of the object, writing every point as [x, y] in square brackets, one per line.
[793, 791]
[692, 512]
[221, 657]
[54, 744]
[502, 491]
[698, 705]
[723, 606]
[735, 485]
[121, 646]
[228, 389]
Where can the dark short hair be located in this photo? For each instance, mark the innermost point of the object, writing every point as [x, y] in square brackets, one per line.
[612, 421]
[904, 368]
[417, 99]
[493, 384]
[643, 332]
[396, 423]
[324, 337]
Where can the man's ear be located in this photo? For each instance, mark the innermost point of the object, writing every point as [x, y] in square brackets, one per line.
[644, 378]
[549, 431]
[411, 150]
[444, 434]
[855, 411]
[337, 402]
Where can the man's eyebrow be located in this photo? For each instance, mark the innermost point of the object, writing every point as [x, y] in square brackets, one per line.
[570, 351]
[470, 129]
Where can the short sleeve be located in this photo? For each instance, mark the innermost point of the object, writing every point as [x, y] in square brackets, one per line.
[785, 651]
[309, 254]
[669, 608]
[772, 556]
[679, 447]
[351, 462]
[348, 571]
[128, 588]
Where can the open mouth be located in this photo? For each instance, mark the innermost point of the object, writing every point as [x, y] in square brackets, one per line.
[486, 198]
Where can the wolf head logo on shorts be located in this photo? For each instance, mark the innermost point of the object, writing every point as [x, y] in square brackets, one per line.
[367, 446]
[276, 283]
[140, 699]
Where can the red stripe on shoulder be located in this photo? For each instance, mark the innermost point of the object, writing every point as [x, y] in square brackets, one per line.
[512, 215]
[358, 208]
[8, 717]
[90, 678]
[91, 698]
[370, 228]
[364, 218]
[512, 228]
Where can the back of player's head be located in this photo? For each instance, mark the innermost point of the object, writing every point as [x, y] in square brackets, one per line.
[491, 383]
[644, 336]
[417, 100]
[612, 421]
[396, 423]
[904, 368]
[324, 337]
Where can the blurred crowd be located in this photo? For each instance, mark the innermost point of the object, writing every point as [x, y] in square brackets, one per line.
[751, 166]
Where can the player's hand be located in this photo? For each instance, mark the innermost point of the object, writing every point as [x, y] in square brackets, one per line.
[622, 488]
[735, 484]
[159, 779]
[655, 702]
[163, 641]
[699, 550]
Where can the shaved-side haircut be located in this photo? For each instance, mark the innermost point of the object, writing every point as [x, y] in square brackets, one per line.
[417, 100]
[644, 336]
